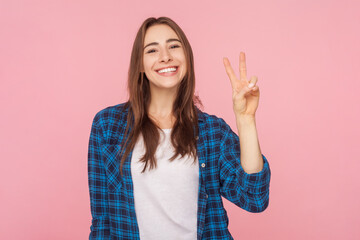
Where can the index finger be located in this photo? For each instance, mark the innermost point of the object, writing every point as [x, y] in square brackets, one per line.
[230, 72]
[242, 66]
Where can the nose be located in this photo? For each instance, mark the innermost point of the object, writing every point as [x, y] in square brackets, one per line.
[165, 55]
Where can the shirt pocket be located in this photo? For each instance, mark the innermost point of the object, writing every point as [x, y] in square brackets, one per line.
[111, 159]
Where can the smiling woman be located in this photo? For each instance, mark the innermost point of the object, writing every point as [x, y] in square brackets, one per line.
[158, 165]
[160, 97]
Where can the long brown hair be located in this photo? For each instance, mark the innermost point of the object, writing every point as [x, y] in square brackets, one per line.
[185, 128]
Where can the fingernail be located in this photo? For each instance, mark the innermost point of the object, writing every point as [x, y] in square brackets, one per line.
[250, 85]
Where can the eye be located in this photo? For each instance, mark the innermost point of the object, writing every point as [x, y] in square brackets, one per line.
[154, 50]
[151, 51]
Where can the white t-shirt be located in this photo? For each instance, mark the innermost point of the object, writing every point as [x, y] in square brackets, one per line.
[166, 197]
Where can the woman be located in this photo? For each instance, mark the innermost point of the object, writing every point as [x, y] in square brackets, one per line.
[158, 165]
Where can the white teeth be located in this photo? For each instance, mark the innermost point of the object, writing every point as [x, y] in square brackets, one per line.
[167, 70]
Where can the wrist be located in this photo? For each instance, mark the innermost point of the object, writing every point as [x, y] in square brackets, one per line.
[245, 121]
[245, 118]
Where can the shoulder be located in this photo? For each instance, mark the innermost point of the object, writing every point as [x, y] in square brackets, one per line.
[213, 125]
[111, 121]
[111, 113]
[212, 120]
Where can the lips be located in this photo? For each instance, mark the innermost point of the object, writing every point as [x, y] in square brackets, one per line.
[166, 67]
[168, 74]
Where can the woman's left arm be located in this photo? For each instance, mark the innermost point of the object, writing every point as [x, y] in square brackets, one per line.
[244, 174]
[245, 95]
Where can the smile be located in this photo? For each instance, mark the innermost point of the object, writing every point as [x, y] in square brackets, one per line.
[168, 71]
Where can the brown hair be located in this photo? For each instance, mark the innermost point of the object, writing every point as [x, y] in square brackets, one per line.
[186, 125]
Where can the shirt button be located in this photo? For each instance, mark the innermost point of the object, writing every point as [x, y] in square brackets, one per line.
[203, 164]
[206, 196]
[197, 137]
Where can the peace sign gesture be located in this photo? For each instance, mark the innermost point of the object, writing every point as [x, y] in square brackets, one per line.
[245, 91]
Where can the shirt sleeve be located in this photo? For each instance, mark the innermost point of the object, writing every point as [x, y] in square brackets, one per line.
[248, 191]
[99, 229]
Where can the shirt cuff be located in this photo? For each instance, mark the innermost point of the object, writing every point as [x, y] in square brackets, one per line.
[255, 183]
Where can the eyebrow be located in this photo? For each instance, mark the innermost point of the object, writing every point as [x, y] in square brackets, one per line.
[156, 43]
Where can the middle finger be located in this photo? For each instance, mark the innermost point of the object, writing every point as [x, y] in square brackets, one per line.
[242, 66]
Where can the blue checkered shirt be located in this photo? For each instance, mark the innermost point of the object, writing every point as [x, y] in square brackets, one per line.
[220, 175]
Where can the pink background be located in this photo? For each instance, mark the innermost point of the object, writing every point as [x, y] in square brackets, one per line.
[63, 61]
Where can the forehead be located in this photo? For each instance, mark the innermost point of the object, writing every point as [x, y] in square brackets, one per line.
[159, 33]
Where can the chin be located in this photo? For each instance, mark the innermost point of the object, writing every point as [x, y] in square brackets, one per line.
[167, 86]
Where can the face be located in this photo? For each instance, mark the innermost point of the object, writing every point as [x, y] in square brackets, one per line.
[164, 57]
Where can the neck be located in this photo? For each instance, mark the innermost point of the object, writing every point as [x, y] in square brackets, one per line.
[161, 101]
